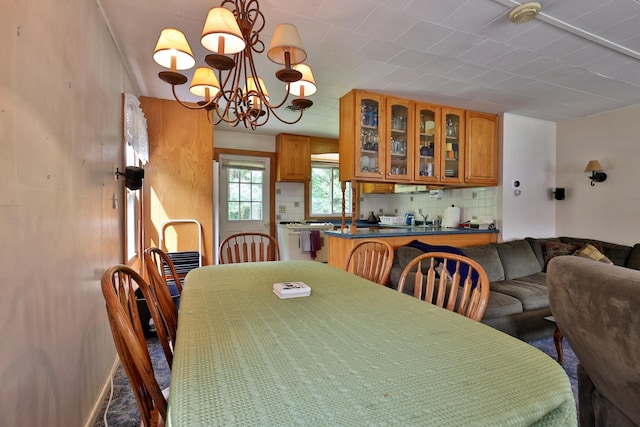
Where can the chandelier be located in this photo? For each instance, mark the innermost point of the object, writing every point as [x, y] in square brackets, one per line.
[242, 97]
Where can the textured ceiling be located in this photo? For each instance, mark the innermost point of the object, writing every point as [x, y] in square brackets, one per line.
[577, 58]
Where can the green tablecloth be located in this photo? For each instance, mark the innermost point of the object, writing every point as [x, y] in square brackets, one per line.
[352, 353]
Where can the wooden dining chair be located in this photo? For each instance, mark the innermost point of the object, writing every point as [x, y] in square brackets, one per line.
[371, 259]
[165, 267]
[155, 262]
[451, 281]
[249, 247]
[118, 287]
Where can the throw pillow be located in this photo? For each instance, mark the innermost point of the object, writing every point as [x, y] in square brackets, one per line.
[590, 252]
[554, 249]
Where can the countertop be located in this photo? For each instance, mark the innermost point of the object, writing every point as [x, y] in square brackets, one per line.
[395, 231]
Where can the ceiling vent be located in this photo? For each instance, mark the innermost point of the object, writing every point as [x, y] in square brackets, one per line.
[525, 12]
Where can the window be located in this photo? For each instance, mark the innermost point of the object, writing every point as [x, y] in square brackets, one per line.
[136, 153]
[326, 192]
[132, 212]
[245, 188]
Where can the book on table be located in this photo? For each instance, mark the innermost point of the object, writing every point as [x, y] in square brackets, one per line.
[291, 289]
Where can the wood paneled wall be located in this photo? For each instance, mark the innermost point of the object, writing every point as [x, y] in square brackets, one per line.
[178, 182]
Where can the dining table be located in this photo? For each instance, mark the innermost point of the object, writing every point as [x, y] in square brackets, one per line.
[352, 353]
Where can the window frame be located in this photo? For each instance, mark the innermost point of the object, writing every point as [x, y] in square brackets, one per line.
[240, 201]
[131, 232]
[307, 197]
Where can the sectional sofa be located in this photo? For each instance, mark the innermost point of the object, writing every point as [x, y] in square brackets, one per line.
[518, 302]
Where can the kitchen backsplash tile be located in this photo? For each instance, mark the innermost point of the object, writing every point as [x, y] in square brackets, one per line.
[479, 202]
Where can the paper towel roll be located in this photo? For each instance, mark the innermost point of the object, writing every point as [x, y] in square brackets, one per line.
[451, 217]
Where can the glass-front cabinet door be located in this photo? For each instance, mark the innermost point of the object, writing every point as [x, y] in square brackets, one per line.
[452, 149]
[428, 142]
[369, 159]
[398, 140]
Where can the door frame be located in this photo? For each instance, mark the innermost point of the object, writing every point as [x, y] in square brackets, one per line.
[272, 177]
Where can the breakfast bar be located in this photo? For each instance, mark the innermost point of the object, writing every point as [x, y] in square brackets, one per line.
[340, 244]
[352, 353]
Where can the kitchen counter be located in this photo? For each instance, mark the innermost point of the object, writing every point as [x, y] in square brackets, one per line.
[375, 231]
[341, 243]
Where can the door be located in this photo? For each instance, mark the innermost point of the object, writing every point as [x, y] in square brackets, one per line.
[244, 198]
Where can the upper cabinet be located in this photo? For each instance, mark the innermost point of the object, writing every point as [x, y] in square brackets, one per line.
[397, 140]
[293, 158]
[428, 127]
[452, 149]
[362, 134]
[481, 153]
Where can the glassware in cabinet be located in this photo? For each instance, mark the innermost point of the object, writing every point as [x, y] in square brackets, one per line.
[427, 147]
[399, 141]
[369, 154]
[452, 149]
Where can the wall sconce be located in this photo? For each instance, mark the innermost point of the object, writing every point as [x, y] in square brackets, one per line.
[597, 175]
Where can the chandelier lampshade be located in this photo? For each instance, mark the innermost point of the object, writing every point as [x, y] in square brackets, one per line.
[286, 40]
[173, 51]
[231, 89]
[204, 83]
[306, 86]
[221, 33]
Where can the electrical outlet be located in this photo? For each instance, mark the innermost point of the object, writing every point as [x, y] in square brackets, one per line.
[420, 211]
[296, 204]
[411, 198]
[474, 195]
[282, 209]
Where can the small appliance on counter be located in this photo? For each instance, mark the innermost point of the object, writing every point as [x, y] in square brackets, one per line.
[451, 217]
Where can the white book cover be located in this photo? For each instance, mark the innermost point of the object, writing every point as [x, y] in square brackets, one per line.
[291, 289]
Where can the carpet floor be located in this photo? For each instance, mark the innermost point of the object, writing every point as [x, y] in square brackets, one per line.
[123, 409]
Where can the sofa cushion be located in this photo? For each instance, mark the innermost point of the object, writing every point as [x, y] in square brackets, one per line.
[518, 259]
[634, 258]
[404, 255]
[554, 249]
[500, 305]
[487, 257]
[538, 248]
[590, 252]
[531, 291]
[618, 254]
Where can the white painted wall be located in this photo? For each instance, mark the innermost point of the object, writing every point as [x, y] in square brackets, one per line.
[527, 155]
[608, 211]
[61, 81]
[243, 140]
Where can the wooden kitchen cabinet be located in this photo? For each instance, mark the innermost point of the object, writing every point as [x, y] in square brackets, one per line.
[481, 150]
[452, 148]
[378, 187]
[428, 142]
[293, 158]
[362, 145]
[387, 139]
[399, 140]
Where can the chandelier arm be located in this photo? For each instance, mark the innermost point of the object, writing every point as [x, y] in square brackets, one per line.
[285, 121]
[192, 107]
[269, 105]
